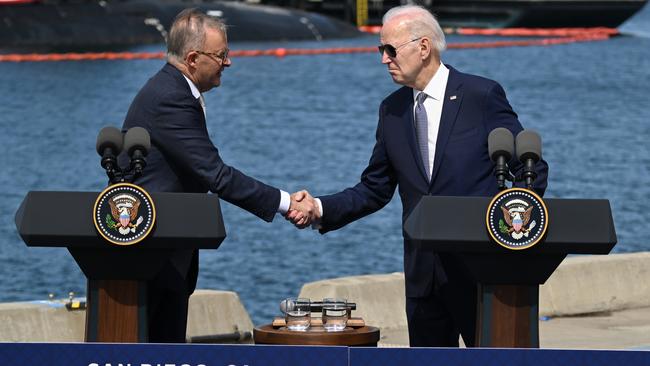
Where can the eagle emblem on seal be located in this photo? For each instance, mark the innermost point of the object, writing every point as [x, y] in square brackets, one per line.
[124, 211]
[516, 219]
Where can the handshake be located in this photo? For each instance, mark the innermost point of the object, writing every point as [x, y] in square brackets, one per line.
[304, 210]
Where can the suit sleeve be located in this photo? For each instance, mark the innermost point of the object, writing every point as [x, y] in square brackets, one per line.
[180, 133]
[374, 191]
[499, 113]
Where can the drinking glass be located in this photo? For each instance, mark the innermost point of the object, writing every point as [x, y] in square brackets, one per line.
[297, 313]
[335, 314]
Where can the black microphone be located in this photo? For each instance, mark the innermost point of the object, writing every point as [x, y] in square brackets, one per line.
[529, 152]
[314, 306]
[501, 147]
[137, 144]
[109, 145]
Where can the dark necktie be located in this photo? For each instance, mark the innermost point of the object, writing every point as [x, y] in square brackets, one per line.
[422, 131]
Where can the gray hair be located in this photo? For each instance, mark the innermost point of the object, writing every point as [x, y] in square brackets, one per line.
[420, 23]
[188, 32]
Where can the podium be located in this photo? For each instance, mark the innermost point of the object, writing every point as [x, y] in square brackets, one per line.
[117, 294]
[508, 280]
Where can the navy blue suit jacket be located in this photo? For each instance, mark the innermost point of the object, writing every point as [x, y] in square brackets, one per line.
[473, 106]
[182, 156]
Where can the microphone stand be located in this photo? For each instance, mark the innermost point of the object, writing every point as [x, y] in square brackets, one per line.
[502, 173]
[137, 165]
[530, 174]
[113, 171]
[117, 175]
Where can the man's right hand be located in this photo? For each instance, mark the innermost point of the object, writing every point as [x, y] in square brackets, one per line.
[303, 209]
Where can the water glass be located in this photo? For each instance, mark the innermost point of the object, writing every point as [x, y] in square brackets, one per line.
[297, 313]
[335, 314]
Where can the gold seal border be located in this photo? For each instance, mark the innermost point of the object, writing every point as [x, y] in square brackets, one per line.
[153, 213]
[497, 197]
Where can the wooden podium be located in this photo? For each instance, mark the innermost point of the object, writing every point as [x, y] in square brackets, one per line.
[117, 275]
[508, 297]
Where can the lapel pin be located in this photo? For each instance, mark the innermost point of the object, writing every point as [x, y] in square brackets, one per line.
[453, 97]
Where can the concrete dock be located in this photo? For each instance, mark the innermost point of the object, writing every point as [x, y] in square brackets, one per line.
[590, 302]
[214, 316]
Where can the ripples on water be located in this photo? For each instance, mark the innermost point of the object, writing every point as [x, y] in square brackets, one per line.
[309, 122]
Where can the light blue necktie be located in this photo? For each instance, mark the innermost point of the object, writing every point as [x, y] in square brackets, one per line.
[422, 131]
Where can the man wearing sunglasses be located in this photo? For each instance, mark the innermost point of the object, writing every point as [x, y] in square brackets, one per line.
[182, 157]
[431, 139]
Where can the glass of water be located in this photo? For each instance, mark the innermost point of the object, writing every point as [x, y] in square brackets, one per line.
[335, 314]
[297, 313]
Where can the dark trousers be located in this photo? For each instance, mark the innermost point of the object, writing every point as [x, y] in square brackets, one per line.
[438, 319]
[168, 297]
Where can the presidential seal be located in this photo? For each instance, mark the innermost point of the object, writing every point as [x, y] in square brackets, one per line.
[124, 214]
[517, 218]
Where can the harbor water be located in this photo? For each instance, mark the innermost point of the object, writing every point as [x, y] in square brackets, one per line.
[308, 122]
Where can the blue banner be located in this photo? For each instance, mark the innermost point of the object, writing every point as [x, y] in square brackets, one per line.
[494, 357]
[106, 354]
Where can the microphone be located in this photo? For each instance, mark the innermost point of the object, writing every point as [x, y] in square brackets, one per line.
[529, 152]
[137, 144]
[501, 146]
[314, 306]
[109, 145]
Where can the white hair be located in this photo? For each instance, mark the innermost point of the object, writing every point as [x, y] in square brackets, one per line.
[188, 32]
[420, 22]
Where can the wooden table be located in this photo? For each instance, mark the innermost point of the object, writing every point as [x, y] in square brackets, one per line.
[365, 336]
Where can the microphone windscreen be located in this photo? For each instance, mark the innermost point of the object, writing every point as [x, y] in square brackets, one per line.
[109, 137]
[501, 142]
[529, 145]
[287, 305]
[137, 138]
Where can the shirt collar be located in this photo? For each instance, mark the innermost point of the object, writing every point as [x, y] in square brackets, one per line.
[197, 94]
[436, 86]
[195, 91]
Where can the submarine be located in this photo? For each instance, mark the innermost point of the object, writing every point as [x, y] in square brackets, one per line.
[75, 25]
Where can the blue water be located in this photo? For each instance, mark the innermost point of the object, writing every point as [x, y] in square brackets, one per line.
[309, 122]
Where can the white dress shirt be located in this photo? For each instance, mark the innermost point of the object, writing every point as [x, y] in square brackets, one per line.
[285, 198]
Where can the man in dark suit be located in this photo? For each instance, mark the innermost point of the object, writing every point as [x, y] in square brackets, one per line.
[183, 159]
[431, 139]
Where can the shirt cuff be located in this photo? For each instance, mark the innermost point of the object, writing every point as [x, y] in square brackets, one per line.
[320, 207]
[285, 202]
[316, 224]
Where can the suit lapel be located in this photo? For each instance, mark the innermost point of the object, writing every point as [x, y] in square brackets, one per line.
[450, 106]
[409, 129]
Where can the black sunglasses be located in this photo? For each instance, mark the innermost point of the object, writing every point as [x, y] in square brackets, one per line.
[391, 50]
